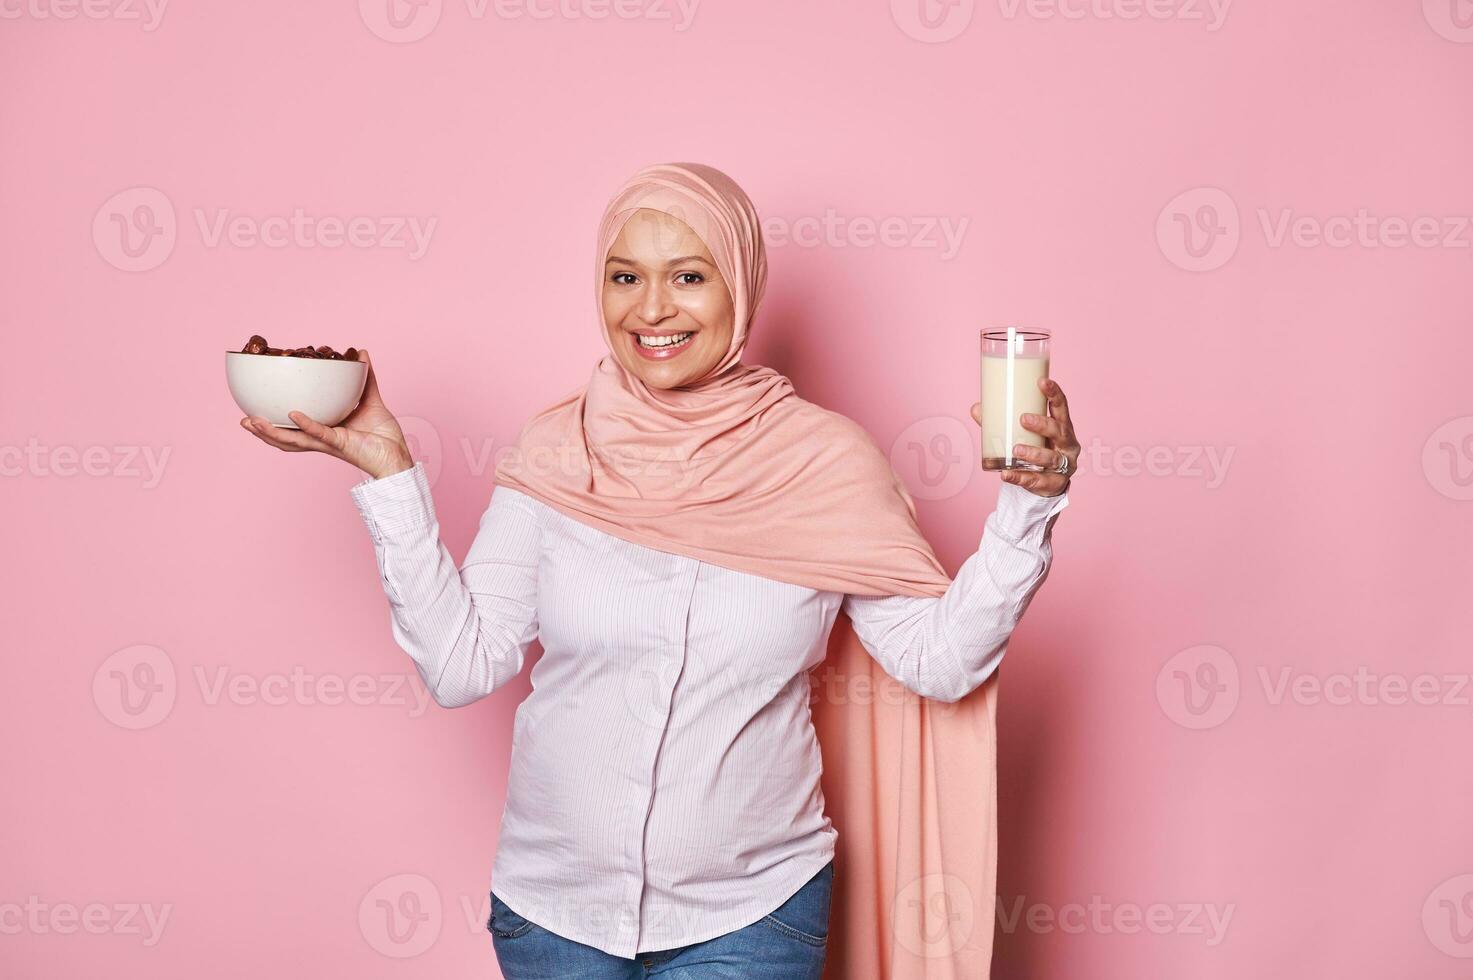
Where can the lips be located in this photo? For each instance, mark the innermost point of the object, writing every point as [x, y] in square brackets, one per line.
[661, 353]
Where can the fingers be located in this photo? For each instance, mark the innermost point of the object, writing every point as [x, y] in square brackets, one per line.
[316, 430]
[287, 440]
[1046, 426]
[267, 433]
[1058, 404]
[977, 412]
[371, 394]
[1037, 455]
[1058, 430]
[1047, 483]
[1043, 484]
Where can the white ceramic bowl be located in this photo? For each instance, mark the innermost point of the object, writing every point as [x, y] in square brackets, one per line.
[270, 385]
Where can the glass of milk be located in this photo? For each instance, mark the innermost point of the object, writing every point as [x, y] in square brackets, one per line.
[1013, 359]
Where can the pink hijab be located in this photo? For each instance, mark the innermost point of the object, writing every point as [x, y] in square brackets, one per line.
[761, 481]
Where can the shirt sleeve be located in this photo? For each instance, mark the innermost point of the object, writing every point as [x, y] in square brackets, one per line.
[467, 630]
[944, 647]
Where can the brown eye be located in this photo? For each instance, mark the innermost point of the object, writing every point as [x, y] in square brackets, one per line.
[694, 275]
[621, 282]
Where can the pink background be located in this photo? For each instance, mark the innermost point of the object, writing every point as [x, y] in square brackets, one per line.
[1335, 835]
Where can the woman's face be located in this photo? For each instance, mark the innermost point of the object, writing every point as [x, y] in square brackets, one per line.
[661, 283]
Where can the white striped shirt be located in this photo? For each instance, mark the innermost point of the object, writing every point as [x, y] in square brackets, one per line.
[664, 781]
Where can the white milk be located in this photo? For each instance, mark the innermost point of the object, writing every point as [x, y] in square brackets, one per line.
[1002, 403]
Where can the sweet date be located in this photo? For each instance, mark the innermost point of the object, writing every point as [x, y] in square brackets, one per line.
[258, 345]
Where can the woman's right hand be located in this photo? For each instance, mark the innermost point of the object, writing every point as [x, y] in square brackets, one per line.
[369, 438]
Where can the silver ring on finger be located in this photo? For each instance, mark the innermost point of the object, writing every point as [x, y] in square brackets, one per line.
[1063, 467]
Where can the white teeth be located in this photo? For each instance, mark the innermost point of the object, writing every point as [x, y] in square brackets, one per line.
[663, 341]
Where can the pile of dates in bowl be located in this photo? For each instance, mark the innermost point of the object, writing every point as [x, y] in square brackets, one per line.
[258, 345]
[299, 379]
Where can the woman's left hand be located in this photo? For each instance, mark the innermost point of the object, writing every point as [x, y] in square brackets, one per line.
[1058, 433]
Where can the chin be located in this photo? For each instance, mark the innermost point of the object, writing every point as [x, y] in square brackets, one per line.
[663, 377]
[671, 375]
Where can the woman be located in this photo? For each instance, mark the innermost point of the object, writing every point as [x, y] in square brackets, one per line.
[688, 538]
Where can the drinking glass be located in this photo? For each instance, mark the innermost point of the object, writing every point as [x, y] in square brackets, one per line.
[1013, 359]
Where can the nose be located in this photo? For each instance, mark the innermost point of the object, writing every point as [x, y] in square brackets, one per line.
[655, 303]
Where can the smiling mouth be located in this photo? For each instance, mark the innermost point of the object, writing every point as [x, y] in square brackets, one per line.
[666, 342]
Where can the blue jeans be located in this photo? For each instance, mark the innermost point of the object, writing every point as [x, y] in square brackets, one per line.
[787, 944]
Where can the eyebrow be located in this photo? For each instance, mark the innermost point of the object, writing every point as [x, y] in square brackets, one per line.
[683, 259]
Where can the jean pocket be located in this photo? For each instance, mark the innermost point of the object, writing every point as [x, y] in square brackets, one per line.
[805, 916]
[504, 923]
